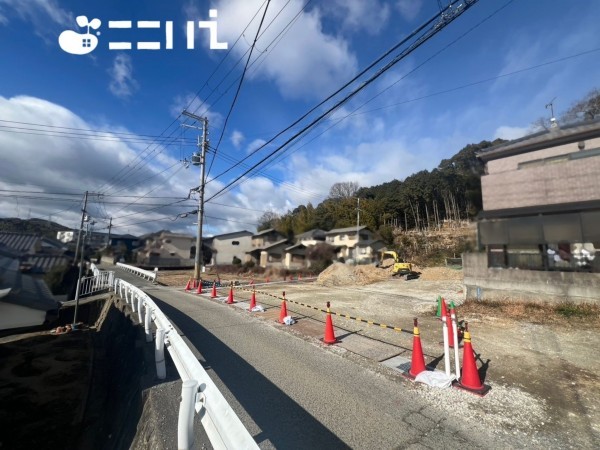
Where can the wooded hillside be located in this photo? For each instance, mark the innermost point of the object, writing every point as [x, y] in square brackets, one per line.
[426, 199]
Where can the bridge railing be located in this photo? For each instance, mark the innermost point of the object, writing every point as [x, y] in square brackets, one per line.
[150, 275]
[199, 393]
[101, 281]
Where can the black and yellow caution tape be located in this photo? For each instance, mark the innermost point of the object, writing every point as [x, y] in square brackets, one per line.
[346, 316]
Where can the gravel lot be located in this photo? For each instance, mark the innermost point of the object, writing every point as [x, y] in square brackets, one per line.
[544, 377]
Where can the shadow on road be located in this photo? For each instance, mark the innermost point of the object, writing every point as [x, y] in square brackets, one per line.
[281, 420]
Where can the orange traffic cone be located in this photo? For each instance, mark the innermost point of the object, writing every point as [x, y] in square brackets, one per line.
[417, 364]
[252, 301]
[213, 294]
[329, 337]
[199, 291]
[283, 313]
[230, 297]
[188, 285]
[469, 380]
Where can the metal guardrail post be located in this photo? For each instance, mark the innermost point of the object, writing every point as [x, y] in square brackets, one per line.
[140, 307]
[185, 425]
[159, 354]
[133, 301]
[147, 322]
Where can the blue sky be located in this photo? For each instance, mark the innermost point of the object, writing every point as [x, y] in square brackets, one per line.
[127, 98]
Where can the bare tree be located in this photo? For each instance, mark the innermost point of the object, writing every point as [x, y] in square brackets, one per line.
[345, 189]
[585, 109]
[268, 220]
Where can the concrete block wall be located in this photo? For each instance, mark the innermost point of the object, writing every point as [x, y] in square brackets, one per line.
[486, 283]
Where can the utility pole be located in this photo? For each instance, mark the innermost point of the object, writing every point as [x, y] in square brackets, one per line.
[84, 218]
[357, 231]
[108, 237]
[202, 146]
[81, 225]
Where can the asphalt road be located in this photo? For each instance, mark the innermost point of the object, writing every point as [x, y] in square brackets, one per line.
[293, 393]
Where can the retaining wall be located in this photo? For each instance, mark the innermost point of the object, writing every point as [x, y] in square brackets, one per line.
[485, 283]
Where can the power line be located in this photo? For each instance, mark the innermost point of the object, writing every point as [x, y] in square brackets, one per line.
[446, 19]
[237, 92]
[354, 112]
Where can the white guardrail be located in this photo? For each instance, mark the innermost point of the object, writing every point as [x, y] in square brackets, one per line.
[198, 393]
[97, 283]
[151, 275]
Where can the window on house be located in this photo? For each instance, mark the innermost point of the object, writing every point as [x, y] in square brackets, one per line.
[342, 237]
[235, 242]
[172, 253]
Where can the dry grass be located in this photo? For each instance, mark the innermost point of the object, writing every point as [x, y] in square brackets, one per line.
[564, 313]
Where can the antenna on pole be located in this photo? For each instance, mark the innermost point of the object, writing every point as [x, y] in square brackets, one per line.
[553, 123]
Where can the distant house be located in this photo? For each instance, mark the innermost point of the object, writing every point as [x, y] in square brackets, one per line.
[311, 237]
[295, 257]
[268, 248]
[226, 247]
[37, 254]
[25, 301]
[127, 241]
[345, 240]
[167, 249]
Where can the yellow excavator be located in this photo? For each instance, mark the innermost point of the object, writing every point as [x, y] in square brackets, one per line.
[401, 268]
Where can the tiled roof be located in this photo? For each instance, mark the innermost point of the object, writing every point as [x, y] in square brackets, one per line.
[20, 242]
[43, 263]
[232, 234]
[316, 233]
[368, 242]
[25, 290]
[267, 231]
[345, 230]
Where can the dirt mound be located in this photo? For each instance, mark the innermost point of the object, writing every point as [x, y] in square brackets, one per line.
[339, 274]
[439, 274]
[387, 263]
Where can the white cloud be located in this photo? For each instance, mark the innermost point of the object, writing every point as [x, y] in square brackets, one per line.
[256, 143]
[122, 83]
[306, 62]
[237, 137]
[356, 15]
[197, 106]
[510, 133]
[409, 9]
[45, 17]
[35, 161]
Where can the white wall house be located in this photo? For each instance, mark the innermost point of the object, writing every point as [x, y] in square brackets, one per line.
[231, 245]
